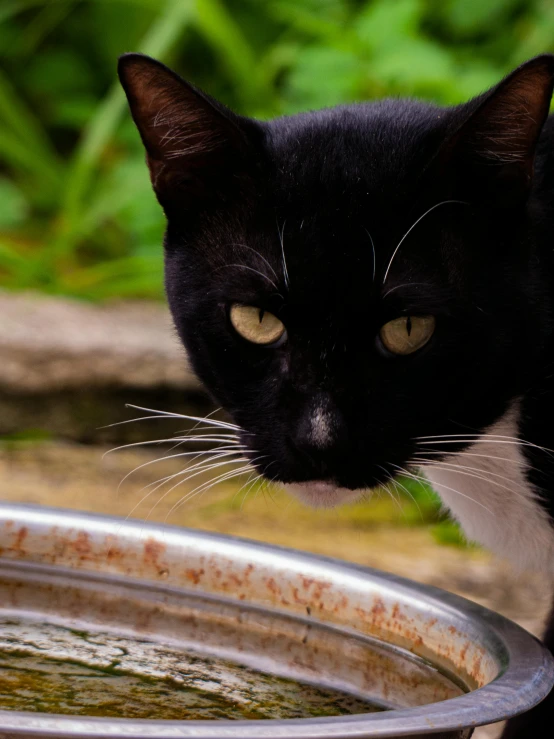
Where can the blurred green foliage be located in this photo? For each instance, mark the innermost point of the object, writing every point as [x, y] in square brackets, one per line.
[76, 212]
[450, 534]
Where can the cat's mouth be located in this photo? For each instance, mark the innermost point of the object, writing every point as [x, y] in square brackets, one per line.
[321, 494]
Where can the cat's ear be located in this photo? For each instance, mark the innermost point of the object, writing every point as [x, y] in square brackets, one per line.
[493, 150]
[194, 145]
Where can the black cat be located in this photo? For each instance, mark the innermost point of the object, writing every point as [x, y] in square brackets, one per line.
[368, 290]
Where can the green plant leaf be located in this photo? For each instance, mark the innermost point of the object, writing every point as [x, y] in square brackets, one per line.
[175, 17]
[217, 26]
[383, 24]
[449, 533]
[14, 208]
[468, 17]
[18, 119]
[323, 76]
[10, 257]
[51, 15]
[75, 159]
[413, 66]
[15, 153]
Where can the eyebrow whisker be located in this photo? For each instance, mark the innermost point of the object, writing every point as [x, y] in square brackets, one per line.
[245, 266]
[408, 232]
[405, 284]
[257, 253]
[374, 254]
[281, 239]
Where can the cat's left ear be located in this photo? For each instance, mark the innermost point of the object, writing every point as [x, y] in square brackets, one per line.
[492, 152]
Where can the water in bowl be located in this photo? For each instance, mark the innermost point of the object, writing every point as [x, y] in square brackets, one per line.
[47, 668]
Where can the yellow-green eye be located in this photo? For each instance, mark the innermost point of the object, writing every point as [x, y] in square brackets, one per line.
[407, 334]
[256, 325]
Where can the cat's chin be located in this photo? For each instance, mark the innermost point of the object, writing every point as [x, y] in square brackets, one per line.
[319, 494]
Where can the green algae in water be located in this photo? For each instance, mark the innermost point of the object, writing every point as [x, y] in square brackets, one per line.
[50, 669]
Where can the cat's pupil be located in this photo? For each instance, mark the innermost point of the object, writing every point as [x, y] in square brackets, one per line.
[409, 325]
[261, 315]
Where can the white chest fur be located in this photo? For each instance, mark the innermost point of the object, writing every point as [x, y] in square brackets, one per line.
[486, 489]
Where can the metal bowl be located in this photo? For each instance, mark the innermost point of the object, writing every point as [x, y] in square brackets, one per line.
[317, 620]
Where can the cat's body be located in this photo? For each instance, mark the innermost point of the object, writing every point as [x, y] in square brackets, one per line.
[369, 291]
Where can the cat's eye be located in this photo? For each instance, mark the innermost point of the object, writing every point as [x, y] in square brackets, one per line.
[256, 325]
[407, 334]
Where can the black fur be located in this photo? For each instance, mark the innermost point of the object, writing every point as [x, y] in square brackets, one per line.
[325, 188]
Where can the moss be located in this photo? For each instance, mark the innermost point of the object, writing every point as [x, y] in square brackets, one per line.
[40, 684]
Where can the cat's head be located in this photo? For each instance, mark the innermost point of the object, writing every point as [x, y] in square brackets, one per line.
[350, 280]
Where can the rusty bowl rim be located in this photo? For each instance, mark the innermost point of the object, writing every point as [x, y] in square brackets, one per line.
[526, 680]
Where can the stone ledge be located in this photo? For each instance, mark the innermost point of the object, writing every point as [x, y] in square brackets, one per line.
[51, 344]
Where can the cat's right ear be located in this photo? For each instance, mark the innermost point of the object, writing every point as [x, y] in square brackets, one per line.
[194, 145]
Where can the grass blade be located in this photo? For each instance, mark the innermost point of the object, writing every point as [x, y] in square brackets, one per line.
[175, 17]
[17, 117]
[217, 26]
[17, 154]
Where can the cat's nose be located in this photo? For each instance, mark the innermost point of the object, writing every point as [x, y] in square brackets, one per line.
[321, 431]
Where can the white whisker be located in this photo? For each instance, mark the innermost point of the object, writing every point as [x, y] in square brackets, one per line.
[247, 467]
[486, 439]
[212, 455]
[252, 474]
[158, 459]
[461, 470]
[256, 459]
[397, 499]
[223, 438]
[281, 239]
[216, 439]
[205, 466]
[136, 420]
[245, 266]
[374, 255]
[250, 482]
[189, 477]
[520, 464]
[249, 490]
[444, 202]
[169, 414]
[408, 493]
[225, 476]
[469, 454]
[257, 253]
[405, 284]
[453, 490]
[388, 491]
